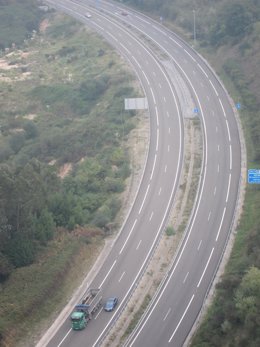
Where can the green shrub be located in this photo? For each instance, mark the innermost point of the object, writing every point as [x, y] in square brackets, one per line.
[170, 231]
[21, 250]
[102, 217]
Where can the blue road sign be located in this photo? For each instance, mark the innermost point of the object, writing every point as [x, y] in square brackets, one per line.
[196, 110]
[238, 106]
[254, 176]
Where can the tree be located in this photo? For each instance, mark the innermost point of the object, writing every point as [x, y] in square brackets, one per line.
[248, 299]
[5, 267]
[21, 250]
[16, 141]
[233, 20]
[43, 226]
[30, 129]
[7, 198]
[237, 20]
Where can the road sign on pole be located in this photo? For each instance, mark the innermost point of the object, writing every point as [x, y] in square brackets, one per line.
[254, 176]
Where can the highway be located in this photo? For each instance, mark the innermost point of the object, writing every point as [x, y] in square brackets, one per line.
[145, 222]
[178, 302]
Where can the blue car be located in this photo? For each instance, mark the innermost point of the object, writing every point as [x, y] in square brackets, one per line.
[110, 304]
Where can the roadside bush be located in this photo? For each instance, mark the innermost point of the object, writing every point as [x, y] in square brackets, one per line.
[124, 171]
[102, 217]
[114, 205]
[114, 185]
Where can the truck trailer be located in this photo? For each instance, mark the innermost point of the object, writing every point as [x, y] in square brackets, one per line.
[84, 311]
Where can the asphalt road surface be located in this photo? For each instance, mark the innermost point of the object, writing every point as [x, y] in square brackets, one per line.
[173, 311]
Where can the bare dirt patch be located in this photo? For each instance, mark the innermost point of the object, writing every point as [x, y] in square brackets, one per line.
[44, 25]
[65, 170]
[30, 116]
[4, 65]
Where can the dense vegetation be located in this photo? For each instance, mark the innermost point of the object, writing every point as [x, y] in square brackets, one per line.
[67, 127]
[18, 20]
[228, 33]
[63, 162]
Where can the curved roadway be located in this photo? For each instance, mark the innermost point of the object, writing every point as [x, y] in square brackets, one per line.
[142, 229]
[179, 300]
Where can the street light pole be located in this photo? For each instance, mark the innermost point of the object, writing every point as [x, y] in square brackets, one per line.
[194, 26]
